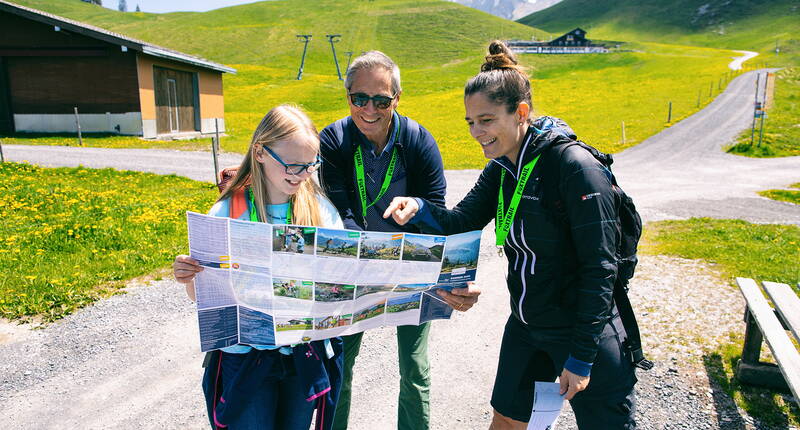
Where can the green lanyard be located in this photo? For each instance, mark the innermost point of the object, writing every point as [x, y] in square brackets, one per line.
[503, 222]
[362, 188]
[254, 213]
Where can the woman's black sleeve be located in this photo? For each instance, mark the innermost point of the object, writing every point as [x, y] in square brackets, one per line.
[473, 212]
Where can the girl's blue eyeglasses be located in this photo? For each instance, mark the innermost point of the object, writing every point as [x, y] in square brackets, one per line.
[295, 169]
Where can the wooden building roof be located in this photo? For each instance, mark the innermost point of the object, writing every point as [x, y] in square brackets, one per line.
[123, 41]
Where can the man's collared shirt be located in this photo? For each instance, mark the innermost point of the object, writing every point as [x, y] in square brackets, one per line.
[375, 169]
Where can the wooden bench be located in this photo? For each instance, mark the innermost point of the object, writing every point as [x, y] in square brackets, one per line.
[764, 323]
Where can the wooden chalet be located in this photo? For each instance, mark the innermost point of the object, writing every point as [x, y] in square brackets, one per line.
[49, 65]
[573, 42]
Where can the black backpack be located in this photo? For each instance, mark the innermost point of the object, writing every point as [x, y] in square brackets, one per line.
[630, 224]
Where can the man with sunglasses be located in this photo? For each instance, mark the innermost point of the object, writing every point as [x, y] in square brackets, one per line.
[368, 158]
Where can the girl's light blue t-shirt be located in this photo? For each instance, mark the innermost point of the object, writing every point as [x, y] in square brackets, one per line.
[276, 214]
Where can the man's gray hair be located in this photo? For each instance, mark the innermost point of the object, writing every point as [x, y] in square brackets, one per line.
[370, 60]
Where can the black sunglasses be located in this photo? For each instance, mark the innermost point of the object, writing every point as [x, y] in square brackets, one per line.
[380, 102]
[295, 169]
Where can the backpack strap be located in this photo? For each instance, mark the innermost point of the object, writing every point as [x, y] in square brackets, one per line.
[633, 340]
[554, 204]
[238, 204]
[551, 175]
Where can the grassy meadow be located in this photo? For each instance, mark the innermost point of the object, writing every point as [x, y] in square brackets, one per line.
[738, 248]
[72, 235]
[593, 93]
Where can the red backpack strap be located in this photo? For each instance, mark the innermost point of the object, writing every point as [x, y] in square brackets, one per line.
[239, 203]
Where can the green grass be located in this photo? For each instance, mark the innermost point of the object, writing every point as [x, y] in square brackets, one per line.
[771, 408]
[738, 24]
[791, 196]
[438, 45]
[70, 235]
[781, 127]
[764, 252]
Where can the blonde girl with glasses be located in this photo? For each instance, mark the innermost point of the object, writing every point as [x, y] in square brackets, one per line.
[273, 386]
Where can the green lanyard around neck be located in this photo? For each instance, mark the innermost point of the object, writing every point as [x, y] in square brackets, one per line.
[502, 224]
[362, 187]
[254, 213]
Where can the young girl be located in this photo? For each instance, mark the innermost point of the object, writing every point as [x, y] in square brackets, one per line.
[261, 386]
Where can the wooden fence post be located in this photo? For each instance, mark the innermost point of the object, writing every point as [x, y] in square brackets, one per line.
[78, 126]
[669, 115]
[214, 149]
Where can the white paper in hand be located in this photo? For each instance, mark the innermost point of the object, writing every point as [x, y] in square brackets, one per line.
[547, 404]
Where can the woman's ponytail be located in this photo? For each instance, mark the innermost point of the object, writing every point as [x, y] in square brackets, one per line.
[501, 79]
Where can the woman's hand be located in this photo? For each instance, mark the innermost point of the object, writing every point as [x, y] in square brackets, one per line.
[185, 268]
[461, 299]
[402, 209]
[572, 384]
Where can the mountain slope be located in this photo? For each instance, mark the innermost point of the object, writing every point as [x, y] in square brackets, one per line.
[509, 9]
[733, 24]
[415, 33]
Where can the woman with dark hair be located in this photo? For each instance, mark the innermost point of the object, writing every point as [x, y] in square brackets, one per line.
[555, 216]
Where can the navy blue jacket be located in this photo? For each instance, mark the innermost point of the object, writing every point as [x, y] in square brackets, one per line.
[417, 149]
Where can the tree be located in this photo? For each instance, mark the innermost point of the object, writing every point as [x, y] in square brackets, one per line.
[122, 6]
[97, 2]
[137, 8]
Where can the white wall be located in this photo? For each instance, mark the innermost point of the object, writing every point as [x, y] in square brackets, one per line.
[207, 125]
[130, 123]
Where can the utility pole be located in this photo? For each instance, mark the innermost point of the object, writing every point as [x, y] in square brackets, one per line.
[305, 38]
[333, 38]
[349, 56]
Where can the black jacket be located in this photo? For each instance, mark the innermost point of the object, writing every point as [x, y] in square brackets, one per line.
[417, 150]
[558, 276]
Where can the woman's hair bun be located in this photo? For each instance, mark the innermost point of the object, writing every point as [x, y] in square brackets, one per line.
[499, 58]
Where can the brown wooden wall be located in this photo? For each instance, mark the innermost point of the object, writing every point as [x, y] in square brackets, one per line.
[53, 85]
[50, 72]
[175, 102]
[6, 116]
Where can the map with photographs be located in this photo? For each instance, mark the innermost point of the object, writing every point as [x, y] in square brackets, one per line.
[266, 284]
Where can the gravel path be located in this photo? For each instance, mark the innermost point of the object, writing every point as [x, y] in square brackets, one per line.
[131, 361]
[737, 62]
